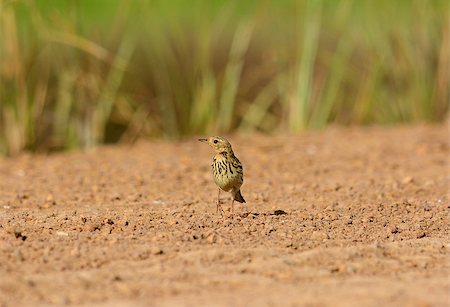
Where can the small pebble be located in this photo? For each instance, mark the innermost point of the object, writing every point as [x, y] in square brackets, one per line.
[156, 250]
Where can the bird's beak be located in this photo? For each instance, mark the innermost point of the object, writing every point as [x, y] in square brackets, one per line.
[203, 140]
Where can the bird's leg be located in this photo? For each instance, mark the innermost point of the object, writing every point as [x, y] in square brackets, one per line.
[232, 203]
[219, 207]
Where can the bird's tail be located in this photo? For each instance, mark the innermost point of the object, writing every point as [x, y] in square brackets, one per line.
[238, 197]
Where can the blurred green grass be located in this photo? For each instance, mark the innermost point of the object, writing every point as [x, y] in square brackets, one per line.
[79, 73]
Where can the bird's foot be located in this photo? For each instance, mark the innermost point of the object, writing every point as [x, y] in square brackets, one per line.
[219, 208]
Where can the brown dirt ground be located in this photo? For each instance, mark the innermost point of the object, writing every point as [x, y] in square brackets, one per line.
[367, 223]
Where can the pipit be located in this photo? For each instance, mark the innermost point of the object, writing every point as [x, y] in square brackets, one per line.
[226, 169]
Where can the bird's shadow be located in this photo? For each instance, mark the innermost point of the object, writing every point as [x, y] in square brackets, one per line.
[256, 214]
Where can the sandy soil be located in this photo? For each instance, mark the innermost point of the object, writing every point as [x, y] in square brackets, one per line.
[366, 223]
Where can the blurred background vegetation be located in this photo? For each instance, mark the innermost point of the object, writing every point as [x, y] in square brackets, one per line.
[76, 73]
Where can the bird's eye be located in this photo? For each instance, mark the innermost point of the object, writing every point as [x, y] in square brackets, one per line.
[215, 141]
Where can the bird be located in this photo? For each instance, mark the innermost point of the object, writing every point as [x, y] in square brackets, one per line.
[227, 170]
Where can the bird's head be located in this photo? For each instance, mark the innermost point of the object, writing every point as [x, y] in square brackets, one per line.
[219, 144]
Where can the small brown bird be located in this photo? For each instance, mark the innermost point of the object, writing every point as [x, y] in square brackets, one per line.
[226, 169]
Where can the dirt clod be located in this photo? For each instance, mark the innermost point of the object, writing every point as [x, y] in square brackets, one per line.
[421, 234]
[156, 251]
[279, 212]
